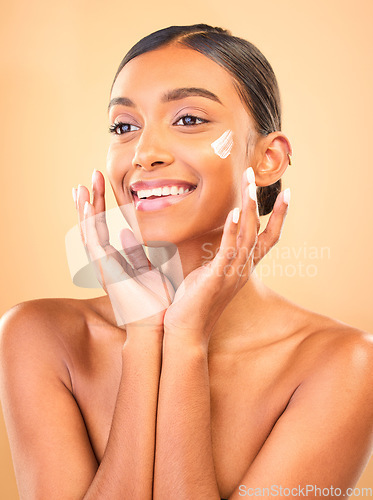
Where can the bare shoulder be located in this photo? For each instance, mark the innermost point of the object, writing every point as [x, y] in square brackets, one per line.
[50, 330]
[324, 346]
[54, 317]
[336, 355]
[40, 319]
[332, 339]
[57, 330]
[36, 331]
[319, 335]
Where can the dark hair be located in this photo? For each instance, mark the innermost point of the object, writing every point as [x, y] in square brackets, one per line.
[253, 77]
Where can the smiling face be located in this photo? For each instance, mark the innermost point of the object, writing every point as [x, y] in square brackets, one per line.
[154, 142]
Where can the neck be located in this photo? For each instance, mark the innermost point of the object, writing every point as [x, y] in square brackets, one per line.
[246, 320]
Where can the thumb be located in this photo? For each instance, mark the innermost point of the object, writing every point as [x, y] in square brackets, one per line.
[134, 251]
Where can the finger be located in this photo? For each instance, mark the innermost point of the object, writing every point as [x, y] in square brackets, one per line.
[250, 223]
[82, 197]
[228, 246]
[126, 296]
[134, 251]
[243, 271]
[250, 212]
[98, 202]
[107, 267]
[272, 233]
[75, 195]
[247, 177]
[248, 234]
[98, 190]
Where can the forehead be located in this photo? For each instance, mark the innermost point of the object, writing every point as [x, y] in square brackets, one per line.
[171, 67]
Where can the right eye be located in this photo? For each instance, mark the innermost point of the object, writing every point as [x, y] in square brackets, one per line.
[120, 128]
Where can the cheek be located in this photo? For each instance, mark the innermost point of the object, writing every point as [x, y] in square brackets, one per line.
[209, 155]
[118, 162]
[218, 165]
[222, 146]
[229, 159]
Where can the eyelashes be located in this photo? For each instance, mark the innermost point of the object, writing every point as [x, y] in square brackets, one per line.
[120, 128]
[190, 118]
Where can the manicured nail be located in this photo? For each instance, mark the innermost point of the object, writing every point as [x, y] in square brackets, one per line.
[252, 191]
[93, 175]
[74, 195]
[86, 207]
[236, 215]
[250, 175]
[287, 196]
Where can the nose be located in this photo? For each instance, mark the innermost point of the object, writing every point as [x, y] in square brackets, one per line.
[152, 151]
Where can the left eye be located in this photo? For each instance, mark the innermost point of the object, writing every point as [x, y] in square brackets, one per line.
[190, 120]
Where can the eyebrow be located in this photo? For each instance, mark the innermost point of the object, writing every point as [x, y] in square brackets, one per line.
[171, 95]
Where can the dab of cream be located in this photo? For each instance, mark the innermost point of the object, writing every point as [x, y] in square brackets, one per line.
[223, 145]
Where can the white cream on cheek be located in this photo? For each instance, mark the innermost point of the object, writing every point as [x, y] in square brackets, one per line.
[223, 145]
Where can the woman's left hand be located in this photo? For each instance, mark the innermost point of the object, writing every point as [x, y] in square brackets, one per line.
[206, 291]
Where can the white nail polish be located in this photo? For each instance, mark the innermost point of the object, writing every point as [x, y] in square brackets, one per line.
[93, 175]
[250, 175]
[252, 191]
[287, 196]
[236, 215]
[86, 208]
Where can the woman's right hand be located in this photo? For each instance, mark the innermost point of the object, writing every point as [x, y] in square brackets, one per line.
[139, 293]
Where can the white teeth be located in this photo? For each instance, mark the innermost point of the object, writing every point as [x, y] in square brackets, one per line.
[162, 191]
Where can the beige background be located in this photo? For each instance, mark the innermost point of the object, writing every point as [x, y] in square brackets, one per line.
[57, 63]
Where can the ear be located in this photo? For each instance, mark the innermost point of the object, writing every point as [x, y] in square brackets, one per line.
[271, 158]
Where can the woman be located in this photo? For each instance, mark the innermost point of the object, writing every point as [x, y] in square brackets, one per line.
[215, 387]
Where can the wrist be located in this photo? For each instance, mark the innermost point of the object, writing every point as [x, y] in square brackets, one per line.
[192, 340]
[144, 333]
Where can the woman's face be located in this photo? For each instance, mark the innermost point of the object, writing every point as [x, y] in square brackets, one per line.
[153, 142]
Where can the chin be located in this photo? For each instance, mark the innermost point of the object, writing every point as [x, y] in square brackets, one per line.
[154, 235]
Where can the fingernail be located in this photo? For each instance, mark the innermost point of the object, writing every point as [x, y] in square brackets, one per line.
[74, 195]
[236, 215]
[86, 208]
[250, 175]
[252, 191]
[287, 196]
[93, 175]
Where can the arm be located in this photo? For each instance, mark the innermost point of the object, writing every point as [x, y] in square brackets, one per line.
[51, 450]
[321, 442]
[324, 437]
[126, 470]
[184, 466]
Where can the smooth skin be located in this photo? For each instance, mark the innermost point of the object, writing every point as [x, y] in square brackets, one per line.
[229, 385]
